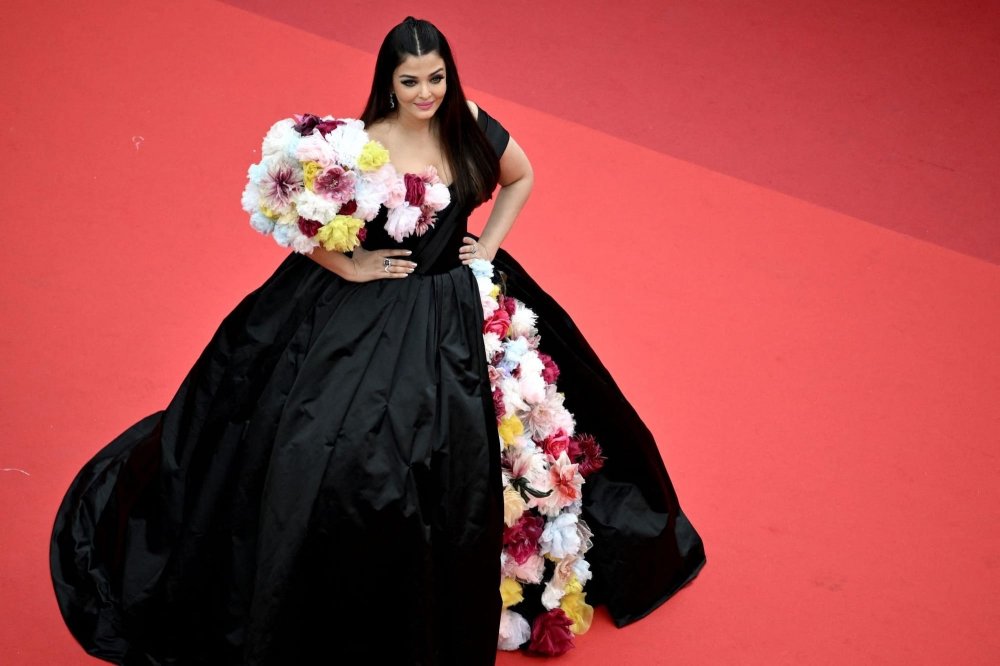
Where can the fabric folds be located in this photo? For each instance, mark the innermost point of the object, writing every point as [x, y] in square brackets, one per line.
[325, 485]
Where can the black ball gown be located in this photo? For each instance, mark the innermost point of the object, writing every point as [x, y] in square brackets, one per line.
[325, 485]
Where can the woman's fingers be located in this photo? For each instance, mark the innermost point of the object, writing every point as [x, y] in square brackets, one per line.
[469, 250]
[389, 262]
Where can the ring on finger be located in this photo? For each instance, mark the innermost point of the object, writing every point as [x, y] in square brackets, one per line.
[386, 263]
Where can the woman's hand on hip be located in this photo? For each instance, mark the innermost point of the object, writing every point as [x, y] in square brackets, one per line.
[472, 249]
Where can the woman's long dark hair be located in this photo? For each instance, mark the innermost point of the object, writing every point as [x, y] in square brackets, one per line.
[474, 165]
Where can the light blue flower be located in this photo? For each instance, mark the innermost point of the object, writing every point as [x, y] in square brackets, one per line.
[284, 234]
[513, 351]
[292, 146]
[261, 223]
[256, 172]
[481, 268]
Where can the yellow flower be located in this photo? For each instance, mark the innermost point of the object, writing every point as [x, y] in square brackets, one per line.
[309, 172]
[574, 586]
[340, 234]
[267, 211]
[577, 609]
[511, 592]
[495, 291]
[372, 156]
[510, 428]
[513, 506]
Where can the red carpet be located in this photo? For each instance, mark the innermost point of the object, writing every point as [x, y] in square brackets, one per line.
[826, 390]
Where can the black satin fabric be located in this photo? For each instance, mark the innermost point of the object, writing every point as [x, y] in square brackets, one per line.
[325, 485]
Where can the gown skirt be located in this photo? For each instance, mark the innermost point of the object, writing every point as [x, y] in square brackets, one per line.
[325, 486]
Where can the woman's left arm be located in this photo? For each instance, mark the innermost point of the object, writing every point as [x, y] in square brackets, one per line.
[516, 179]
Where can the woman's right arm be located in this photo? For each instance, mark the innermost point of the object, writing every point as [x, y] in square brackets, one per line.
[364, 265]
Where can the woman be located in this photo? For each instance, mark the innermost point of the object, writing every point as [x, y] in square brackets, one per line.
[326, 482]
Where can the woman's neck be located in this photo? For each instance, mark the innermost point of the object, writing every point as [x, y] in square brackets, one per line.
[416, 127]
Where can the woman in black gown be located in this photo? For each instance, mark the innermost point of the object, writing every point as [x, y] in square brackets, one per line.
[325, 486]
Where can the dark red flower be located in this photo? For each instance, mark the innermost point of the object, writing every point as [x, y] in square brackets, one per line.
[415, 188]
[551, 371]
[521, 538]
[498, 323]
[585, 451]
[507, 303]
[348, 208]
[362, 234]
[309, 227]
[307, 122]
[327, 126]
[498, 406]
[550, 634]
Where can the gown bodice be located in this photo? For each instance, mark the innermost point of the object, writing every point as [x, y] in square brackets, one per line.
[437, 250]
[434, 252]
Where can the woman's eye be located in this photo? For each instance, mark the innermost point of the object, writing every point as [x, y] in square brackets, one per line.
[409, 84]
[437, 79]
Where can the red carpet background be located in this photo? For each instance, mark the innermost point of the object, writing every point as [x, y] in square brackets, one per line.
[776, 222]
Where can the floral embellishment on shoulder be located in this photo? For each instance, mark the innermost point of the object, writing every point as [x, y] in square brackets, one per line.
[322, 179]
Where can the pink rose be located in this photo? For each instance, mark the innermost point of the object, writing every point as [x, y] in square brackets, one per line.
[521, 538]
[401, 221]
[429, 175]
[551, 372]
[551, 633]
[309, 227]
[498, 323]
[414, 189]
[437, 196]
[556, 443]
[394, 185]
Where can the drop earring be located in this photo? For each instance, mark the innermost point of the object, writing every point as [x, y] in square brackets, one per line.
[392, 100]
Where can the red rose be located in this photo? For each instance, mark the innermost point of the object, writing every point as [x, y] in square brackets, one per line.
[586, 452]
[498, 323]
[556, 444]
[521, 538]
[415, 189]
[348, 208]
[550, 633]
[309, 227]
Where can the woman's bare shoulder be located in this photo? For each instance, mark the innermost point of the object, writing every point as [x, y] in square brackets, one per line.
[378, 129]
[473, 108]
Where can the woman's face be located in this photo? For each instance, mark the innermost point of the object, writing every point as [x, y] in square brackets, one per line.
[419, 84]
